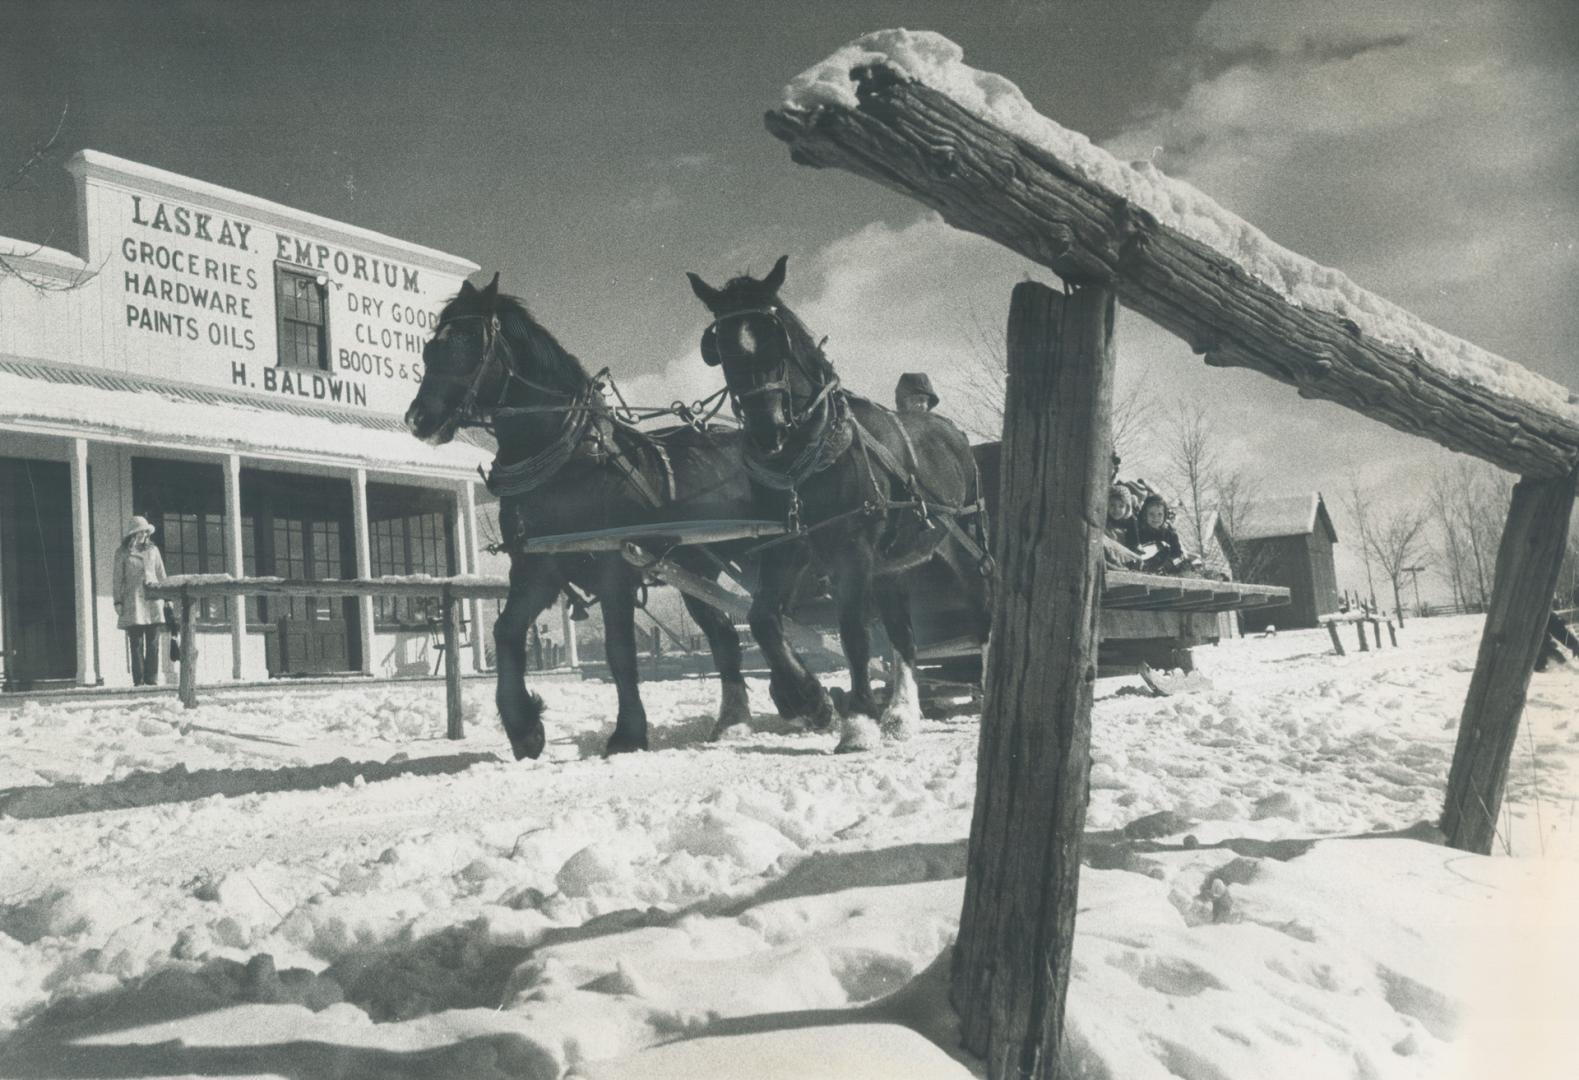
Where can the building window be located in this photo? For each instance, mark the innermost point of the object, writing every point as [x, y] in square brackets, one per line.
[185, 503]
[409, 531]
[299, 300]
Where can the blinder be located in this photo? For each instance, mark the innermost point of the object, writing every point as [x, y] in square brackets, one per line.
[772, 335]
[493, 357]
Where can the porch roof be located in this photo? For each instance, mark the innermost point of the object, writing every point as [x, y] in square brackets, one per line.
[107, 406]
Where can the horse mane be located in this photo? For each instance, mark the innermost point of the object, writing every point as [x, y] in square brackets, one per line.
[544, 357]
[801, 339]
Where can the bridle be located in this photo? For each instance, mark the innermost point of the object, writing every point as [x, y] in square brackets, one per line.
[586, 419]
[778, 382]
[496, 354]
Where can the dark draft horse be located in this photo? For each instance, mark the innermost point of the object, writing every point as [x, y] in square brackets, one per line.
[879, 494]
[567, 463]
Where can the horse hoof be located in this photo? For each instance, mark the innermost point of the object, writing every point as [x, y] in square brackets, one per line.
[898, 728]
[529, 745]
[733, 710]
[860, 733]
[727, 729]
[624, 744]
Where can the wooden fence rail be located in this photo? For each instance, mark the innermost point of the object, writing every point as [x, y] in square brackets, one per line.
[186, 591]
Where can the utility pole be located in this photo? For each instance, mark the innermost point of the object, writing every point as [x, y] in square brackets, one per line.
[1414, 572]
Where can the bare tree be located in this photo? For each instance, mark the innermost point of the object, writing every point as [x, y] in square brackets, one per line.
[1398, 541]
[1452, 556]
[1483, 494]
[22, 179]
[1237, 498]
[1133, 403]
[1356, 504]
[1194, 466]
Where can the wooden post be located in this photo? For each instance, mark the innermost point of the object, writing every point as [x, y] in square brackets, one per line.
[1011, 962]
[1360, 626]
[1528, 561]
[452, 666]
[188, 683]
[1337, 646]
[1391, 633]
[1376, 628]
[569, 627]
[82, 561]
[235, 566]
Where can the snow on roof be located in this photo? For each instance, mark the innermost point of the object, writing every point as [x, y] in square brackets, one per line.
[151, 416]
[1286, 515]
[935, 61]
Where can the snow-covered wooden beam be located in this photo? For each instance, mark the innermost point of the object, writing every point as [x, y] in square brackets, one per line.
[902, 109]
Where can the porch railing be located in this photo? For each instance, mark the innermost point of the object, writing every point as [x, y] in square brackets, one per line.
[186, 590]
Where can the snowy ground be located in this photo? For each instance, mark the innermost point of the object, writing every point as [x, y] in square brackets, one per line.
[318, 884]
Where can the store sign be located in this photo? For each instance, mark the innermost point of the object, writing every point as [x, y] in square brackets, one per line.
[199, 297]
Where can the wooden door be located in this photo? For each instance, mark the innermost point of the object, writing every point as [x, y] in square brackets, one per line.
[38, 589]
[304, 532]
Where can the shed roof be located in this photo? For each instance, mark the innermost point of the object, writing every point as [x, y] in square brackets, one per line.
[1287, 515]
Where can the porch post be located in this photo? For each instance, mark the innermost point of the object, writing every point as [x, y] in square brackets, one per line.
[572, 660]
[468, 558]
[82, 550]
[234, 566]
[364, 566]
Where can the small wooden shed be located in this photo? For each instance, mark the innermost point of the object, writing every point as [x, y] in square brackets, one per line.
[1289, 542]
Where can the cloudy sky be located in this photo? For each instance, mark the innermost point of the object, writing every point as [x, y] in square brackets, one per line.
[593, 152]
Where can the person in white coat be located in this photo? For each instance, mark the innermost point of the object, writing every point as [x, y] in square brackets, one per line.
[138, 564]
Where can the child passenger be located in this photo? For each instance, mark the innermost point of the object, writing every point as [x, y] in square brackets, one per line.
[1123, 537]
[1153, 529]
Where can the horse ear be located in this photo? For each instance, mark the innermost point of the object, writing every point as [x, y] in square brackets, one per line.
[490, 292]
[466, 288]
[704, 292]
[775, 278]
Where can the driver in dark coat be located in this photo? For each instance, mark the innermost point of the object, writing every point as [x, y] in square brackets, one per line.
[913, 393]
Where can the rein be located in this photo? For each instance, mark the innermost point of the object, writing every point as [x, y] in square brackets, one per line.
[831, 429]
[585, 413]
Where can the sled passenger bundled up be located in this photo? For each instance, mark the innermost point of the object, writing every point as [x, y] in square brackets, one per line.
[1158, 540]
[1121, 541]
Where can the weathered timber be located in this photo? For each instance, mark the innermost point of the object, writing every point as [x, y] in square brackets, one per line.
[918, 141]
[1011, 962]
[187, 684]
[1337, 646]
[1131, 590]
[1359, 626]
[455, 726]
[1528, 560]
[198, 586]
[1392, 633]
[658, 535]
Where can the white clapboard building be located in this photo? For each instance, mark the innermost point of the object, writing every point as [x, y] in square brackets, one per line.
[236, 371]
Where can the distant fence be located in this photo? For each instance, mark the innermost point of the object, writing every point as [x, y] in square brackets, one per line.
[1431, 610]
[186, 591]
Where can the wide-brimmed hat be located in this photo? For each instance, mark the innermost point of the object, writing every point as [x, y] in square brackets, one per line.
[138, 524]
[916, 382]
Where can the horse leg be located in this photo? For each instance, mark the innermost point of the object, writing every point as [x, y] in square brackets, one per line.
[618, 599]
[532, 588]
[796, 693]
[734, 707]
[852, 583]
[901, 717]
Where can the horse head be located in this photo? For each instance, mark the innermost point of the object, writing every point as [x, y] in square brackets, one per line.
[462, 364]
[774, 370]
